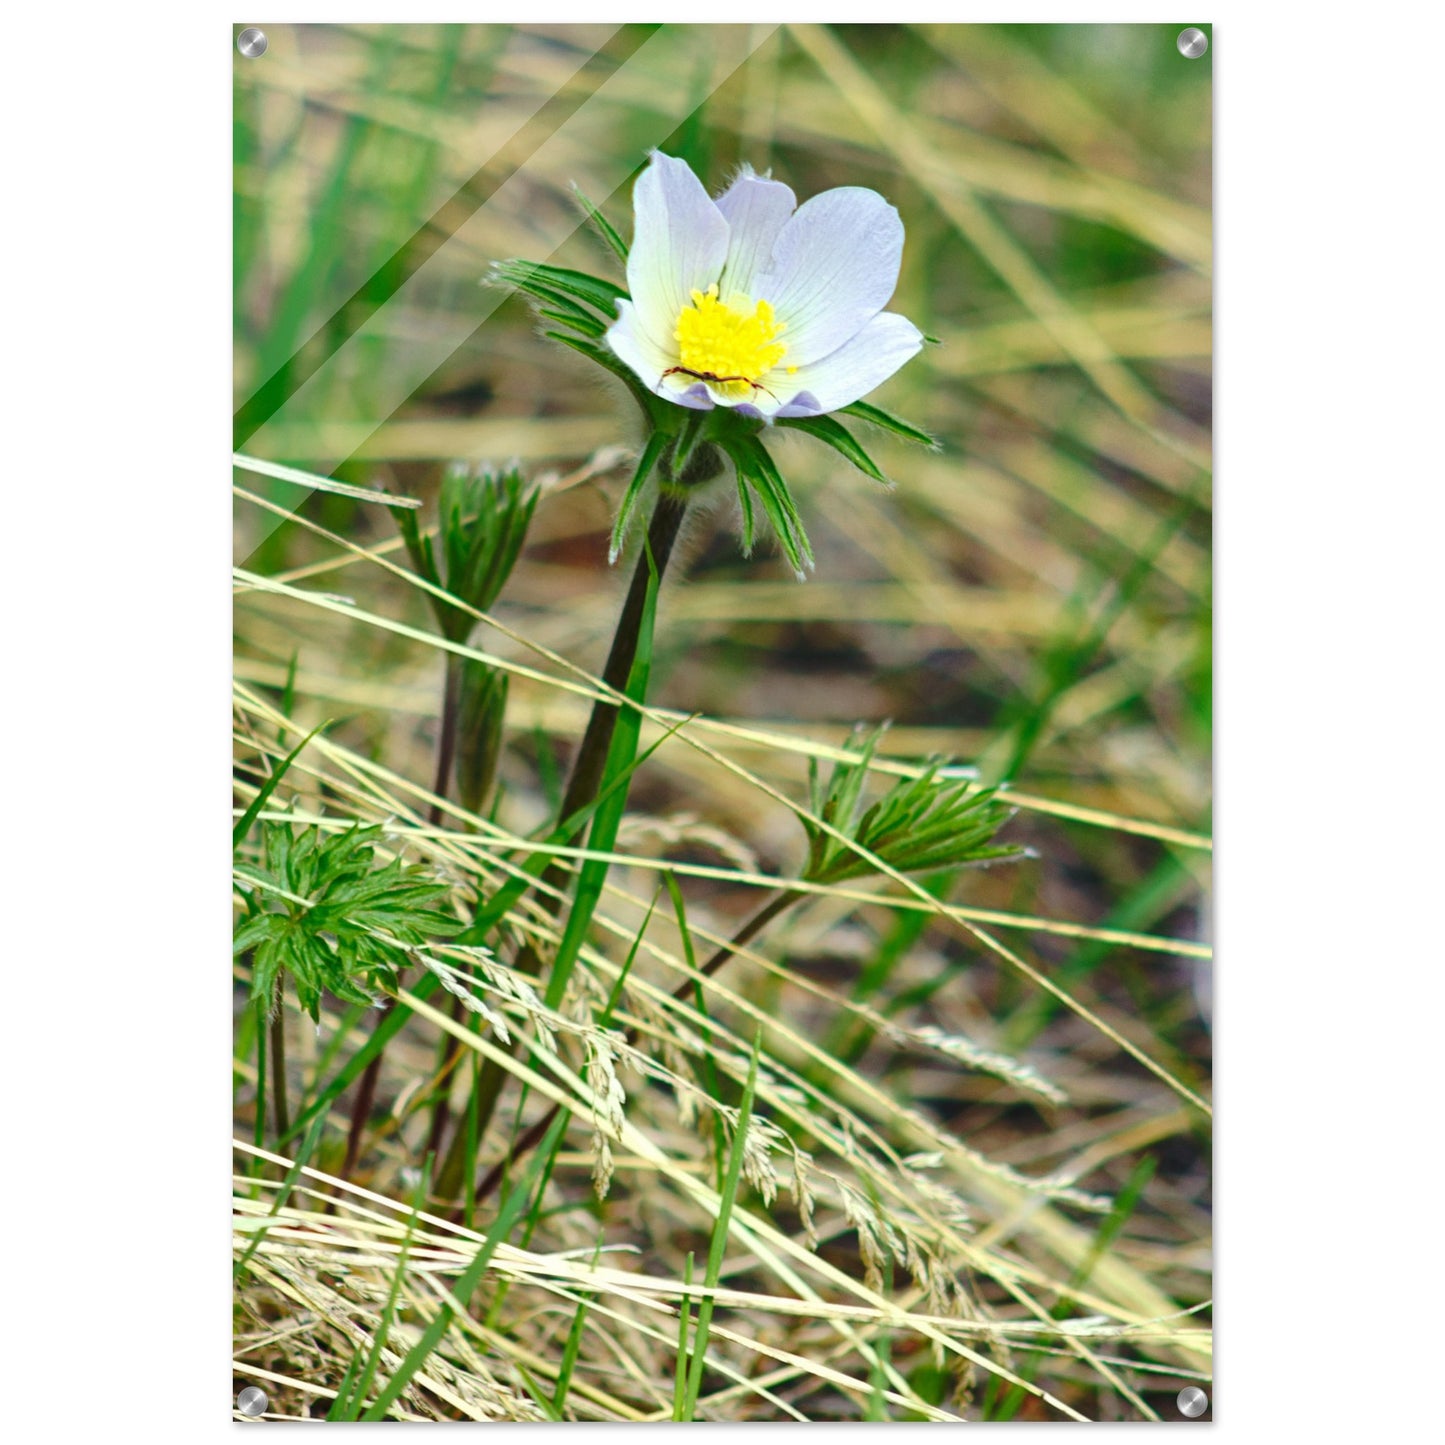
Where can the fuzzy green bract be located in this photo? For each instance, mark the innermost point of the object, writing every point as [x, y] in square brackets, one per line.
[321, 908]
[740, 314]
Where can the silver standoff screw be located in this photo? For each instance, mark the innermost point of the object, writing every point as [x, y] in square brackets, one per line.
[252, 1401]
[252, 42]
[1192, 1401]
[1192, 42]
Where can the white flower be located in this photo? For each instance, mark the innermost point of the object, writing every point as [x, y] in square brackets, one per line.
[756, 303]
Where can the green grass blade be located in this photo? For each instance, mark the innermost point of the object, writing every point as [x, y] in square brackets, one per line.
[718, 1245]
[707, 1063]
[574, 1344]
[388, 1313]
[263, 796]
[466, 1286]
[505, 898]
[303, 1156]
[343, 1406]
[612, 801]
[386, 1029]
[680, 1366]
[538, 1396]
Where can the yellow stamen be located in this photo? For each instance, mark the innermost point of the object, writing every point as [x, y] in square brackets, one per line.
[734, 340]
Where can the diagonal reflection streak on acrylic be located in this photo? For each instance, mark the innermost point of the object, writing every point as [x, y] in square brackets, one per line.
[497, 146]
[332, 418]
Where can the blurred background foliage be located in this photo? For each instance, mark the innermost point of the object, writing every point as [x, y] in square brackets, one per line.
[1034, 597]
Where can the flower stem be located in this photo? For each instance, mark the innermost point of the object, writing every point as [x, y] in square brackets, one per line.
[592, 755]
[588, 766]
[782, 899]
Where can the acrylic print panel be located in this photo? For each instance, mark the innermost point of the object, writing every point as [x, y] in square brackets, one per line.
[722, 718]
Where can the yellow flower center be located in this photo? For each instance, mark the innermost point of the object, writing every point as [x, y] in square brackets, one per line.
[730, 345]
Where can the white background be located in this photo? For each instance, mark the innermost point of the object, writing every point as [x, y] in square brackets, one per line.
[116, 341]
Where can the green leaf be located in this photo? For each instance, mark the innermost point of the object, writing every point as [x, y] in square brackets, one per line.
[573, 313]
[483, 521]
[755, 468]
[480, 716]
[745, 501]
[794, 538]
[604, 227]
[592, 291]
[653, 406]
[919, 825]
[837, 436]
[685, 441]
[347, 925]
[645, 463]
[587, 325]
[875, 415]
[418, 546]
[256, 930]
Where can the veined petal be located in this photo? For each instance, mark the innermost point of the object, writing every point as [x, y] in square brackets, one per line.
[635, 347]
[679, 243]
[835, 264]
[756, 210]
[852, 371]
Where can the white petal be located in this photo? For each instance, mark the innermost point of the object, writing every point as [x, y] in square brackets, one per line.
[835, 265]
[756, 210]
[851, 372]
[636, 348]
[631, 344]
[679, 243]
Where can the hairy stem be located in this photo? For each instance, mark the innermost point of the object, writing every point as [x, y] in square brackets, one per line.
[592, 755]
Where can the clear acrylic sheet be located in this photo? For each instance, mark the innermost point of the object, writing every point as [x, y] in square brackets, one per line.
[792, 1067]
